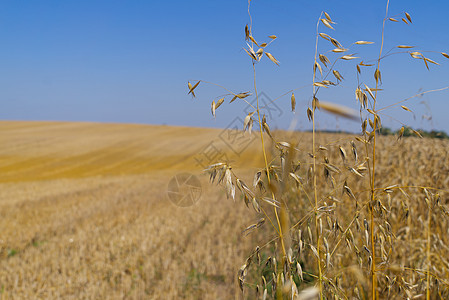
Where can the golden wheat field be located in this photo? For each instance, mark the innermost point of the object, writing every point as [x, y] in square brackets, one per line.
[84, 211]
[85, 214]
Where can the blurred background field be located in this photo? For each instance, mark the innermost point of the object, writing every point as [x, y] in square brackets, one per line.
[84, 214]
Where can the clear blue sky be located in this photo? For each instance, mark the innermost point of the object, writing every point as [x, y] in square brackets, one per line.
[129, 61]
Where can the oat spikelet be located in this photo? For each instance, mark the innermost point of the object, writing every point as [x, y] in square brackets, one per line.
[417, 133]
[230, 188]
[327, 24]
[348, 57]
[342, 153]
[325, 60]
[337, 75]
[271, 57]
[248, 122]
[212, 108]
[406, 108]
[324, 36]
[363, 43]
[191, 88]
[377, 76]
[407, 15]
[293, 102]
[317, 65]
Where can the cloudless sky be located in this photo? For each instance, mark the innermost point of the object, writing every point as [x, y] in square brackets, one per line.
[129, 61]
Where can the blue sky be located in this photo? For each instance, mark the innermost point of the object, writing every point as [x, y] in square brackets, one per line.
[129, 61]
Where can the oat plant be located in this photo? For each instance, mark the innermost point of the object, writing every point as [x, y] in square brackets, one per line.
[344, 218]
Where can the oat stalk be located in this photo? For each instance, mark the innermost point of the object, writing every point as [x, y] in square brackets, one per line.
[315, 192]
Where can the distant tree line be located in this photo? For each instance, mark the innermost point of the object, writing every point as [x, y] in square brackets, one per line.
[437, 134]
